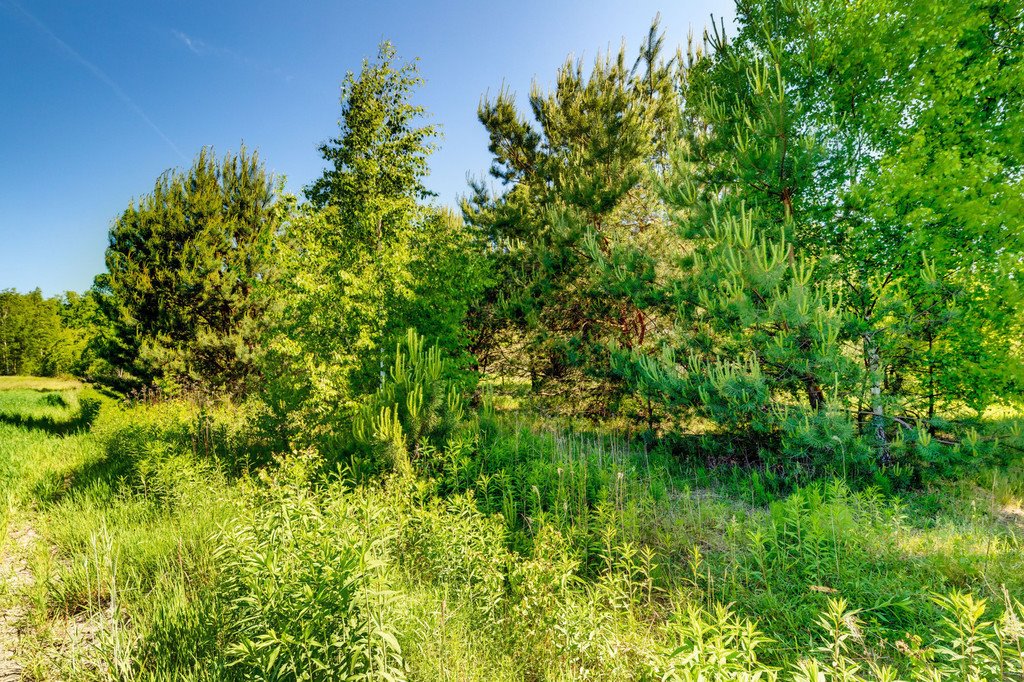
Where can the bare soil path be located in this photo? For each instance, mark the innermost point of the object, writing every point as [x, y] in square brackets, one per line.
[16, 579]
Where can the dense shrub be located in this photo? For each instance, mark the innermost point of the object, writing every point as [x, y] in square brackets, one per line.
[533, 554]
[450, 544]
[412, 415]
[302, 597]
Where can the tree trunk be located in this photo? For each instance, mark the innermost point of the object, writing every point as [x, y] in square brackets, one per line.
[874, 365]
[931, 383]
[814, 393]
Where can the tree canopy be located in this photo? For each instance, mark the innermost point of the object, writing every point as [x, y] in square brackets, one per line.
[367, 258]
[183, 265]
[794, 240]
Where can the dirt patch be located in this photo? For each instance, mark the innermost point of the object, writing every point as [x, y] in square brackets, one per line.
[1012, 515]
[21, 640]
[17, 580]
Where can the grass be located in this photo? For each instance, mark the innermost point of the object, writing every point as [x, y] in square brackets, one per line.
[15, 383]
[534, 554]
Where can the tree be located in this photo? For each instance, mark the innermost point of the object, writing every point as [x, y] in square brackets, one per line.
[32, 339]
[183, 264]
[876, 140]
[365, 259]
[915, 204]
[575, 189]
[86, 330]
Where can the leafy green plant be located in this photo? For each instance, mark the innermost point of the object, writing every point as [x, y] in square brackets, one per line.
[414, 412]
[451, 545]
[302, 599]
[710, 645]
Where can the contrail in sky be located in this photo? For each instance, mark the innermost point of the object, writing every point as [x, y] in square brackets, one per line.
[99, 74]
[202, 48]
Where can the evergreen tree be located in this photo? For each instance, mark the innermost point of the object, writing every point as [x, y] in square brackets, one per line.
[914, 207]
[576, 188]
[876, 163]
[183, 265]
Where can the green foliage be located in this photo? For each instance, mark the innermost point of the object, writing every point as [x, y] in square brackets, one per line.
[85, 328]
[811, 264]
[376, 191]
[50, 336]
[911, 207]
[415, 413]
[302, 598]
[183, 265]
[453, 546]
[714, 645]
[575, 191]
[365, 260]
[797, 254]
[33, 340]
[564, 557]
[756, 347]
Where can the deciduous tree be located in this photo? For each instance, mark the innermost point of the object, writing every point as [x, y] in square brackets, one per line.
[367, 257]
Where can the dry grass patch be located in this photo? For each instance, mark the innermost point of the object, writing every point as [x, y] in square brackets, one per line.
[39, 383]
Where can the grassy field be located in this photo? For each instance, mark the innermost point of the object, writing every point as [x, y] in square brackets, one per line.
[38, 384]
[138, 545]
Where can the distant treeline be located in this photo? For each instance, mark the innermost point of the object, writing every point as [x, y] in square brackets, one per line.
[45, 336]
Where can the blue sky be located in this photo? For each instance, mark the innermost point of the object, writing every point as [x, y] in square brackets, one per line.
[98, 98]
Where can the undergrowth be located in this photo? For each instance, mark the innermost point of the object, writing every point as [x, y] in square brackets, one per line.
[511, 552]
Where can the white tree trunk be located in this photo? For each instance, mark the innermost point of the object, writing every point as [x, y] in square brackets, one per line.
[874, 366]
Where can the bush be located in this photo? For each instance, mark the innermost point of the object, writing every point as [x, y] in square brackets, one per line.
[410, 418]
[450, 544]
[302, 597]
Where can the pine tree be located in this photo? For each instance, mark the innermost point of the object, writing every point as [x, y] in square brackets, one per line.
[576, 188]
[914, 207]
[182, 268]
[873, 162]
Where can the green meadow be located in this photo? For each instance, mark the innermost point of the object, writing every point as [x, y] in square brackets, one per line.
[137, 549]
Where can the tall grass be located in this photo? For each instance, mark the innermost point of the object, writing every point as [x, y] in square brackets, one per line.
[169, 550]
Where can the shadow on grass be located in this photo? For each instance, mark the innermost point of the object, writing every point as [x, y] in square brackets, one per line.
[102, 478]
[80, 422]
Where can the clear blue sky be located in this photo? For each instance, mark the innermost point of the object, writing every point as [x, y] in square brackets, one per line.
[98, 98]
